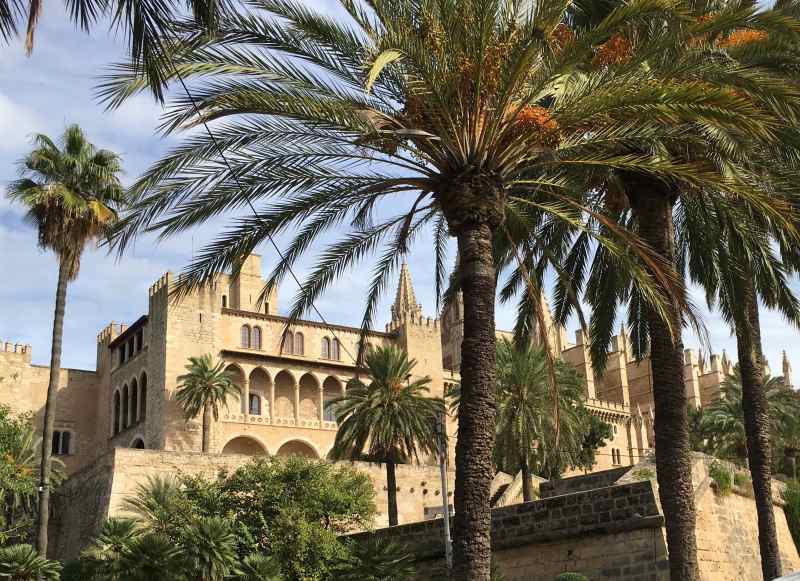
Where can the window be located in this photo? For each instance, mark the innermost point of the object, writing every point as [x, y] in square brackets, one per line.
[122, 352]
[326, 348]
[224, 301]
[255, 405]
[116, 413]
[256, 338]
[246, 336]
[139, 340]
[335, 349]
[288, 343]
[616, 456]
[61, 443]
[299, 344]
[130, 348]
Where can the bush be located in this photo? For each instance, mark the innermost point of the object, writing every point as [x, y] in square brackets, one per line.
[644, 474]
[571, 577]
[791, 495]
[723, 481]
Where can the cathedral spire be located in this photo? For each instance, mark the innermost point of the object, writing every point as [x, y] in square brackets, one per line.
[405, 302]
[787, 371]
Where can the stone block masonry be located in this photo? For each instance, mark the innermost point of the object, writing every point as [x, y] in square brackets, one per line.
[609, 533]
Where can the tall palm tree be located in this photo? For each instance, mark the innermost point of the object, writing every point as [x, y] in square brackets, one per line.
[525, 420]
[391, 418]
[467, 112]
[205, 387]
[71, 194]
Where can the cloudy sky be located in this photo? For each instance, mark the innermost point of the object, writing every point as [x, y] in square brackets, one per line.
[53, 88]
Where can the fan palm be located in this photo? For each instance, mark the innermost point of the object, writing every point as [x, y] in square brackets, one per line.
[210, 548]
[472, 107]
[205, 387]
[71, 194]
[101, 560]
[375, 559]
[258, 567]
[392, 417]
[23, 563]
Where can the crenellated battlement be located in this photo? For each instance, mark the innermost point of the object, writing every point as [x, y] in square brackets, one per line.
[108, 332]
[412, 319]
[162, 284]
[20, 348]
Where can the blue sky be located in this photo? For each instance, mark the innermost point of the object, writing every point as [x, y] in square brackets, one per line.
[54, 87]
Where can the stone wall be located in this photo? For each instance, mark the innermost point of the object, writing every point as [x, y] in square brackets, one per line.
[98, 491]
[610, 533]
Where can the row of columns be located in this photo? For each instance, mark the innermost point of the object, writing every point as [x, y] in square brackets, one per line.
[296, 392]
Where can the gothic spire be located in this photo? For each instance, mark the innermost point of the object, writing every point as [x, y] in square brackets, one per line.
[405, 301]
[787, 371]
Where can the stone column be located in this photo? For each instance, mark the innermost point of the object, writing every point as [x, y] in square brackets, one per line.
[296, 403]
[246, 396]
[272, 402]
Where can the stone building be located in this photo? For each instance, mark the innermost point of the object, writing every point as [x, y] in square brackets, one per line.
[287, 375]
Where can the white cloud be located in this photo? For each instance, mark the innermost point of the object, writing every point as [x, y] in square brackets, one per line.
[17, 123]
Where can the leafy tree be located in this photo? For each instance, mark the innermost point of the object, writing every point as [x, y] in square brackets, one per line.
[71, 194]
[472, 110]
[294, 510]
[18, 475]
[595, 437]
[392, 417]
[23, 563]
[205, 387]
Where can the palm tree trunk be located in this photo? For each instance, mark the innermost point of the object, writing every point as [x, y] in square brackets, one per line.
[757, 428]
[474, 470]
[527, 492]
[391, 489]
[206, 427]
[652, 203]
[43, 519]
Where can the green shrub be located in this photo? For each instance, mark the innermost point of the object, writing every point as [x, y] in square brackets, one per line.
[723, 480]
[791, 495]
[571, 577]
[644, 474]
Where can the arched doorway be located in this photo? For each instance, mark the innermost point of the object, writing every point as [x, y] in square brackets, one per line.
[297, 448]
[138, 444]
[244, 445]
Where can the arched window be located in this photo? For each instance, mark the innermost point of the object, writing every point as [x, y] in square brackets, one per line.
[326, 348]
[299, 344]
[288, 343]
[134, 401]
[246, 336]
[139, 340]
[256, 338]
[224, 301]
[125, 407]
[335, 350]
[143, 397]
[255, 405]
[61, 443]
[116, 413]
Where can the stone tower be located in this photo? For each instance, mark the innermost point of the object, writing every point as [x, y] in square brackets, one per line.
[787, 372]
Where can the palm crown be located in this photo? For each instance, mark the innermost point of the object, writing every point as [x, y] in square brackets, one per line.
[205, 384]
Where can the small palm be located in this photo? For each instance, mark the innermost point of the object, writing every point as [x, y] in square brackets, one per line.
[205, 387]
[23, 563]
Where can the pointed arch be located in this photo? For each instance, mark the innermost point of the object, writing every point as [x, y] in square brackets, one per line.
[116, 412]
[245, 336]
[134, 401]
[256, 342]
[143, 396]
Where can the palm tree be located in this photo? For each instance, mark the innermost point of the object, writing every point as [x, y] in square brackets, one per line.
[258, 567]
[391, 417]
[525, 419]
[468, 112]
[102, 559]
[726, 418]
[23, 563]
[71, 194]
[210, 548]
[376, 559]
[147, 25]
[206, 386]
